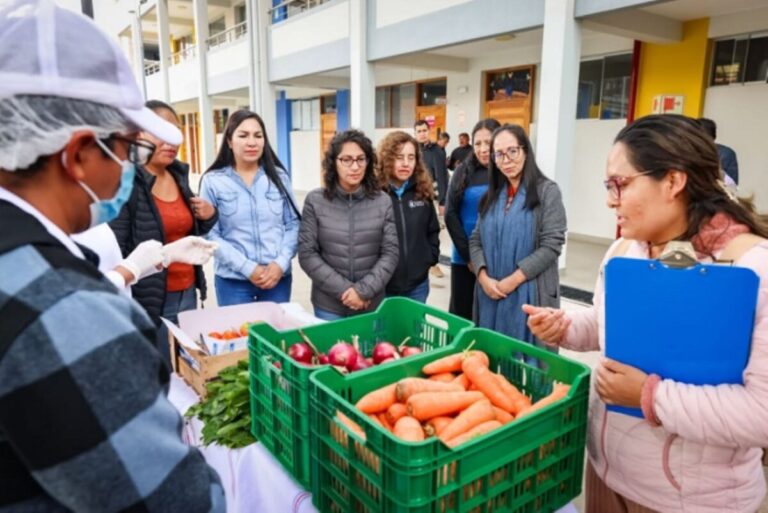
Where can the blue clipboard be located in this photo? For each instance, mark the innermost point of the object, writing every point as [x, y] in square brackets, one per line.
[693, 325]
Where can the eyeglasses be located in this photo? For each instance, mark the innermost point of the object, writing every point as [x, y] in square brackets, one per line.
[139, 151]
[513, 153]
[615, 184]
[348, 161]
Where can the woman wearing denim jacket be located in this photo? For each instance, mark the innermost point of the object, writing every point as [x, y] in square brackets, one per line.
[258, 224]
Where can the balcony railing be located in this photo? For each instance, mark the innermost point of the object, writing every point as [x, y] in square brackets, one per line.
[288, 8]
[186, 54]
[228, 36]
[151, 67]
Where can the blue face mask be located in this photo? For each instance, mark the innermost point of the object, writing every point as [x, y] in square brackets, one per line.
[105, 210]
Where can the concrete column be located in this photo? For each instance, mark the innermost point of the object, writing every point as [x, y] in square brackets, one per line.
[262, 93]
[164, 42]
[207, 137]
[362, 98]
[556, 123]
[137, 54]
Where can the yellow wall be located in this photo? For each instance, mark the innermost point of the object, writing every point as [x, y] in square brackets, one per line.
[675, 69]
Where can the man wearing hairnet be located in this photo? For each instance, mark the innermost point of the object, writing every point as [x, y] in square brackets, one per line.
[85, 424]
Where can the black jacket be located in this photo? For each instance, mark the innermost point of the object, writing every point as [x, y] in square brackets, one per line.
[139, 220]
[458, 156]
[434, 161]
[418, 233]
[469, 173]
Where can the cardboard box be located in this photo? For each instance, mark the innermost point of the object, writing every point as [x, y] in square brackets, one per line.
[198, 358]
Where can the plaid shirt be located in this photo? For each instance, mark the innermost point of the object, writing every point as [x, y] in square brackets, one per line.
[85, 424]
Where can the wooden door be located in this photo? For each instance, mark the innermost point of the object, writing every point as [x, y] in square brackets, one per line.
[514, 110]
[509, 95]
[327, 131]
[435, 116]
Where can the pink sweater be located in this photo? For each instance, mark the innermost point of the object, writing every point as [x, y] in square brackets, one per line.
[706, 456]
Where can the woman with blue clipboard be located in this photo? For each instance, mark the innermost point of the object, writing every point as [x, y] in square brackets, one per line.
[696, 446]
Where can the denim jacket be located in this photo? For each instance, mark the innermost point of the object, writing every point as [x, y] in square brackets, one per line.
[256, 225]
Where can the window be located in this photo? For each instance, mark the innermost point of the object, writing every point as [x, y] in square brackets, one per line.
[396, 105]
[305, 114]
[328, 104]
[215, 27]
[239, 14]
[604, 87]
[433, 93]
[740, 59]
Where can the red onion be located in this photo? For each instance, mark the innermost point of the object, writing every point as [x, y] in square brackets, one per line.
[343, 354]
[300, 352]
[383, 351]
[322, 359]
[409, 350]
[360, 364]
[390, 359]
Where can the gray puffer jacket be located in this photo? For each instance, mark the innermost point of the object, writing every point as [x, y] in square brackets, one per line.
[349, 241]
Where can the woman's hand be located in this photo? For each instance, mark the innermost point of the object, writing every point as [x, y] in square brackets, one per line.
[353, 301]
[548, 324]
[509, 284]
[201, 209]
[619, 384]
[267, 277]
[490, 286]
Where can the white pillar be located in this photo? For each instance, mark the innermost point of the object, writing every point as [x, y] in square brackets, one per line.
[138, 51]
[164, 42]
[207, 142]
[362, 81]
[261, 91]
[556, 123]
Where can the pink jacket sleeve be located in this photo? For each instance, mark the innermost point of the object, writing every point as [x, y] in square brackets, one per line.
[726, 415]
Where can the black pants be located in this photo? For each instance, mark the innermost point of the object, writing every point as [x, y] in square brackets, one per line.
[462, 291]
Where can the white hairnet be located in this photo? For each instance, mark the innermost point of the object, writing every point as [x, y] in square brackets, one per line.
[34, 126]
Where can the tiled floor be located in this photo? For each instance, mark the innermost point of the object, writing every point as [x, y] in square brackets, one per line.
[582, 262]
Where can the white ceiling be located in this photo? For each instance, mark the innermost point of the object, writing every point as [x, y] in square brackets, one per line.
[485, 46]
[684, 10]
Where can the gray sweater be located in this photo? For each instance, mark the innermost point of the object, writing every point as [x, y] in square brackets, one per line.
[349, 241]
[549, 233]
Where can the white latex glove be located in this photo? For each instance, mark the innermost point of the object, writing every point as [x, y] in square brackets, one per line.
[189, 250]
[145, 260]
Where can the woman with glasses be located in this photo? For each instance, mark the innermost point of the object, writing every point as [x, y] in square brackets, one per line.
[468, 184]
[401, 174]
[162, 207]
[698, 447]
[518, 238]
[348, 241]
[258, 224]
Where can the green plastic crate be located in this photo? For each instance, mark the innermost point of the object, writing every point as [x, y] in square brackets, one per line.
[531, 465]
[280, 395]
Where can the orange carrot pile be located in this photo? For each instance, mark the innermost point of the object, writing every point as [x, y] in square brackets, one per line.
[460, 399]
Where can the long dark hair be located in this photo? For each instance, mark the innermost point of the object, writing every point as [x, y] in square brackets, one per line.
[269, 160]
[472, 163]
[660, 143]
[330, 172]
[531, 176]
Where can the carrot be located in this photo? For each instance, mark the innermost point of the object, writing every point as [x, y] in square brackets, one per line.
[396, 411]
[435, 404]
[378, 400]
[435, 426]
[503, 416]
[351, 424]
[486, 382]
[385, 422]
[375, 419]
[462, 380]
[559, 392]
[475, 414]
[451, 363]
[521, 400]
[476, 431]
[412, 386]
[444, 377]
[409, 429]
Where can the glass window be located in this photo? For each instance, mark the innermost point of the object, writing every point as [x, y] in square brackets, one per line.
[433, 93]
[403, 105]
[756, 69]
[721, 70]
[216, 27]
[383, 107]
[616, 79]
[296, 115]
[329, 104]
[239, 14]
[590, 77]
[505, 84]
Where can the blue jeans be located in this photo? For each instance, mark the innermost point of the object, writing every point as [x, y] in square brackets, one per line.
[418, 293]
[326, 315]
[237, 292]
[175, 302]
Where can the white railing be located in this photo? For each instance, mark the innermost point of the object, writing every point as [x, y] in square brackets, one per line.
[151, 67]
[228, 36]
[289, 8]
[186, 54]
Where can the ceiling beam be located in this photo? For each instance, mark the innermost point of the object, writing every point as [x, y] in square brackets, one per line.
[637, 24]
[428, 61]
[217, 3]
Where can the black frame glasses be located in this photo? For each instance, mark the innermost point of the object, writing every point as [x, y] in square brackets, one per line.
[139, 151]
[347, 161]
[513, 153]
